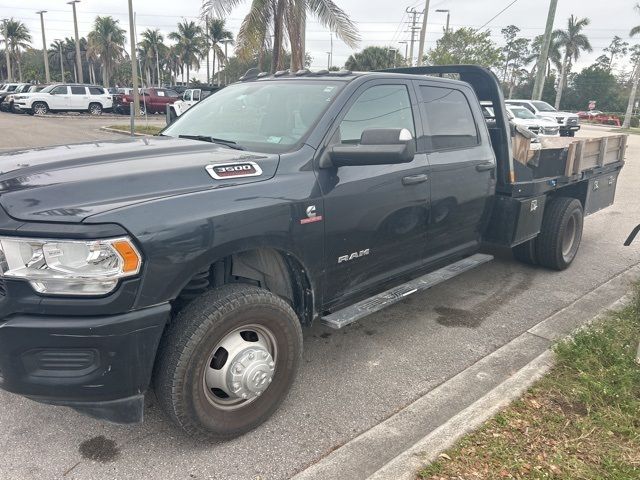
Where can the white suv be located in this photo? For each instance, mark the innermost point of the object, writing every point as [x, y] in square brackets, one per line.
[569, 122]
[65, 98]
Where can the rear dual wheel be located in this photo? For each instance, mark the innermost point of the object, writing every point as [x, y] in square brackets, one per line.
[557, 244]
[227, 361]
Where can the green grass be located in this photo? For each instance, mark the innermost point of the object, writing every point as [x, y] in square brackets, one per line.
[145, 129]
[582, 421]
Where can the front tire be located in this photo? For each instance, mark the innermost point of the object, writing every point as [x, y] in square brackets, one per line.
[561, 233]
[227, 361]
[39, 108]
[95, 109]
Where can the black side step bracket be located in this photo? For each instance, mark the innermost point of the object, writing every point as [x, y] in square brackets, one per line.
[355, 312]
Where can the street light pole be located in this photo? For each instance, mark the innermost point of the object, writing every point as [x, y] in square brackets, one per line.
[448, 12]
[75, 27]
[134, 61]
[44, 47]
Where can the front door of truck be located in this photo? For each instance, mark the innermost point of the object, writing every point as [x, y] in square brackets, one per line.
[462, 167]
[375, 216]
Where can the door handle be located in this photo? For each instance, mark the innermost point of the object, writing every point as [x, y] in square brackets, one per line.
[414, 179]
[483, 167]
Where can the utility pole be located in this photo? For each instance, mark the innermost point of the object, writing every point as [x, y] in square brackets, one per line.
[44, 47]
[538, 86]
[6, 49]
[134, 62]
[206, 38]
[330, 51]
[75, 26]
[423, 32]
[226, 60]
[414, 13]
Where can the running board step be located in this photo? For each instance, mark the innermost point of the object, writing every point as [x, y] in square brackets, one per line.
[355, 312]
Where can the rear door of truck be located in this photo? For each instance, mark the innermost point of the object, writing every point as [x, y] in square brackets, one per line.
[462, 166]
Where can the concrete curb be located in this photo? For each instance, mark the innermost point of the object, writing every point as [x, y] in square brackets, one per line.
[399, 446]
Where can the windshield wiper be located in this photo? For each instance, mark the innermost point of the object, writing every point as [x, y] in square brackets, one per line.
[218, 141]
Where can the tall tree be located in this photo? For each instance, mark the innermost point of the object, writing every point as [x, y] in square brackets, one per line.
[106, 42]
[217, 35]
[284, 18]
[573, 42]
[374, 58]
[616, 48]
[189, 40]
[554, 57]
[510, 34]
[151, 44]
[635, 77]
[466, 46]
[17, 39]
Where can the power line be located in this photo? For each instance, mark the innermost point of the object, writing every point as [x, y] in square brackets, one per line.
[498, 14]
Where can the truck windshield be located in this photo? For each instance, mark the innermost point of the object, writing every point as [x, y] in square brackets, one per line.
[268, 116]
[544, 107]
[522, 113]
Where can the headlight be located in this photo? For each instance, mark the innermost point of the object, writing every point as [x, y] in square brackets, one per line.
[19, 97]
[69, 267]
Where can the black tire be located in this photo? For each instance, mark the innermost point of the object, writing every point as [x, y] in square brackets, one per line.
[39, 108]
[95, 109]
[561, 233]
[185, 355]
[571, 134]
[526, 252]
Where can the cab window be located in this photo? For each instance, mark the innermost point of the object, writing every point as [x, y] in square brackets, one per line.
[381, 106]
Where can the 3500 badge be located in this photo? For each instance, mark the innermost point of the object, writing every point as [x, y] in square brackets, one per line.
[234, 170]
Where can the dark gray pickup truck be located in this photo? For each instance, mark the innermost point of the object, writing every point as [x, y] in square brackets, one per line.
[190, 261]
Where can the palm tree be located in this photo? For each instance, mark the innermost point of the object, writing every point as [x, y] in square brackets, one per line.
[106, 42]
[284, 17]
[635, 76]
[189, 43]
[217, 34]
[374, 58]
[16, 39]
[554, 56]
[151, 44]
[635, 30]
[57, 56]
[573, 41]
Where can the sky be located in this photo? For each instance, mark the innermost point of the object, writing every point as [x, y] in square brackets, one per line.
[381, 22]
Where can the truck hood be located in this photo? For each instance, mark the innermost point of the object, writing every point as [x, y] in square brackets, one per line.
[72, 182]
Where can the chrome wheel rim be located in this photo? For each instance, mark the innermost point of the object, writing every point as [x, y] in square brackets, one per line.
[95, 110]
[240, 367]
[40, 109]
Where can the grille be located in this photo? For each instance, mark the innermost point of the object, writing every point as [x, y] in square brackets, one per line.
[535, 130]
[572, 121]
[560, 120]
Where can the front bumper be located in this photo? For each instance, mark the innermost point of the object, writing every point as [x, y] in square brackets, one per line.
[99, 365]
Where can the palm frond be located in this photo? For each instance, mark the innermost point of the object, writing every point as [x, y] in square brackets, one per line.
[634, 31]
[219, 8]
[333, 17]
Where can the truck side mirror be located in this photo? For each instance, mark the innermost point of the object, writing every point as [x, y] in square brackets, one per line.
[378, 146]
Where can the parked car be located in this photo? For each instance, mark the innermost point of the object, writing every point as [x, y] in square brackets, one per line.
[189, 98]
[6, 97]
[9, 87]
[540, 126]
[192, 260]
[589, 114]
[152, 100]
[65, 98]
[569, 122]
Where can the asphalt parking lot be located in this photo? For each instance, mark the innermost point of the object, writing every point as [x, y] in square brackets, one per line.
[350, 380]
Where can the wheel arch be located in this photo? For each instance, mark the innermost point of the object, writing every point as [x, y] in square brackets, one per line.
[274, 268]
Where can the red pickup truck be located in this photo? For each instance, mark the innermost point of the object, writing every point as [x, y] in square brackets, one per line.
[152, 100]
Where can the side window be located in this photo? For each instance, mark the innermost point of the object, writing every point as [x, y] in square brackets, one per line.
[96, 91]
[529, 107]
[187, 95]
[196, 95]
[382, 106]
[449, 118]
[59, 90]
[78, 91]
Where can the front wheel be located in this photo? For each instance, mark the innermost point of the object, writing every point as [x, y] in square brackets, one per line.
[95, 109]
[227, 361]
[39, 108]
[561, 233]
